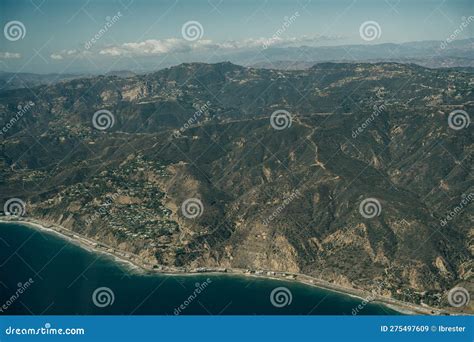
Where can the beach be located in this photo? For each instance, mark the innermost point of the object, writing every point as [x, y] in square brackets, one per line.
[133, 263]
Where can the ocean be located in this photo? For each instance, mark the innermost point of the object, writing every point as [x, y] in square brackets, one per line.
[42, 274]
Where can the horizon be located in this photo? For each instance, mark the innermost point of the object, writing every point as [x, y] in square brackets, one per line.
[141, 36]
[112, 71]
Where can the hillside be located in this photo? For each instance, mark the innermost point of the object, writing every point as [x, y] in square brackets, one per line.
[280, 194]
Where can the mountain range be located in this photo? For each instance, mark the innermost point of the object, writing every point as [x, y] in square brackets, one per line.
[277, 166]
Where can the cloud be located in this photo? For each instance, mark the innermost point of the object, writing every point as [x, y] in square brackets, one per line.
[68, 53]
[56, 56]
[157, 47]
[153, 47]
[9, 55]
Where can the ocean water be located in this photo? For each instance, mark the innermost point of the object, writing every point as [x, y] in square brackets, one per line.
[68, 280]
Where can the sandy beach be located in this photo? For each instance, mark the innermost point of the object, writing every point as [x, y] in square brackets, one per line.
[134, 264]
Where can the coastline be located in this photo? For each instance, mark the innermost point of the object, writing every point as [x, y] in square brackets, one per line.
[134, 264]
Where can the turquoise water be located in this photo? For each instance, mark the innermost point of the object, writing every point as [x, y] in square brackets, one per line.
[65, 277]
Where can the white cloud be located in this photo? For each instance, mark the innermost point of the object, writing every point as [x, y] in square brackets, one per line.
[56, 56]
[156, 47]
[68, 53]
[9, 55]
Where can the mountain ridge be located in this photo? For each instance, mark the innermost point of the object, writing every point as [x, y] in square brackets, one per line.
[310, 176]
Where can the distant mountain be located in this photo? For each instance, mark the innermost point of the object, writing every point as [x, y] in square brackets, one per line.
[462, 64]
[430, 53]
[11, 80]
[457, 54]
[121, 73]
[278, 166]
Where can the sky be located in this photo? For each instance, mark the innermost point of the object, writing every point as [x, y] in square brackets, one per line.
[71, 36]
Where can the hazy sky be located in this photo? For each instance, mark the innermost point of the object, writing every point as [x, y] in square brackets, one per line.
[58, 36]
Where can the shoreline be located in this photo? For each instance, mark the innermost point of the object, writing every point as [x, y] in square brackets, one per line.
[134, 264]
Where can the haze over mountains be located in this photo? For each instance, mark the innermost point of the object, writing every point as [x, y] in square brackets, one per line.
[426, 53]
[271, 197]
[431, 54]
